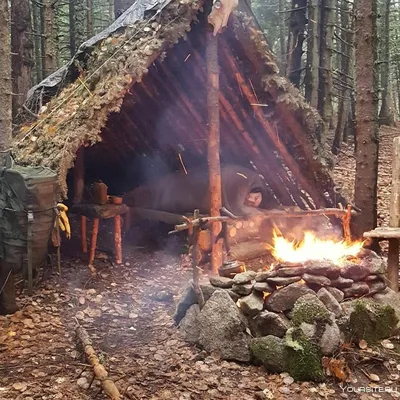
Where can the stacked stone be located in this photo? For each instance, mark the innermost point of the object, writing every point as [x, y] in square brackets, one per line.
[265, 315]
[283, 285]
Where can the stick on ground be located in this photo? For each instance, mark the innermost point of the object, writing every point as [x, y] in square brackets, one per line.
[98, 369]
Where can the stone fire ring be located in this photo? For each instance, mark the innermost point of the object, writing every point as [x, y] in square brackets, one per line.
[290, 317]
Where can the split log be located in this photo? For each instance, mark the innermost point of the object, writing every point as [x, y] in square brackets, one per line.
[249, 250]
[98, 369]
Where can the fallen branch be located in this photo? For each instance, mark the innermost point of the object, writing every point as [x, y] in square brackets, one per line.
[99, 371]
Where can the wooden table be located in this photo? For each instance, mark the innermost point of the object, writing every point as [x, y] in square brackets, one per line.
[97, 212]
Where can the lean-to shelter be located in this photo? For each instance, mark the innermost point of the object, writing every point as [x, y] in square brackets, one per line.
[140, 87]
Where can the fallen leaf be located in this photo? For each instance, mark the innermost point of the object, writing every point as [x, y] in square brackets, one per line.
[363, 344]
[374, 377]
[387, 344]
[20, 386]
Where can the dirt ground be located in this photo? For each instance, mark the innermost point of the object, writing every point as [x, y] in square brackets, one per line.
[127, 312]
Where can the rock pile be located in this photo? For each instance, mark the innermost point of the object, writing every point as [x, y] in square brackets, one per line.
[288, 318]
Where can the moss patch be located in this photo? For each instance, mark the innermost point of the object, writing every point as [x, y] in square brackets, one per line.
[371, 321]
[304, 358]
[309, 309]
[270, 351]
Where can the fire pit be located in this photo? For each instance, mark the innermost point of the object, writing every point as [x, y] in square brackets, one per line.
[317, 294]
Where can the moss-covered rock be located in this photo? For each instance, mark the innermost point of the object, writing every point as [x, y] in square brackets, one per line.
[309, 309]
[370, 321]
[270, 351]
[304, 357]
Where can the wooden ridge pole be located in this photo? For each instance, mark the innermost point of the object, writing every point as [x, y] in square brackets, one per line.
[394, 221]
[214, 167]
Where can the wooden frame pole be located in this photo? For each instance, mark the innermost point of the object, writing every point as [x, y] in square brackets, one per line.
[394, 221]
[214, 167]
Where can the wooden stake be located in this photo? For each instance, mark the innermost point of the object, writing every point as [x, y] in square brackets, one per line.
[394, 221]
[346, 225]
[214, 167]
[98, 369]
[117, 239]
[79, 176]
[93, 244]
[195, 257]
[83, 234]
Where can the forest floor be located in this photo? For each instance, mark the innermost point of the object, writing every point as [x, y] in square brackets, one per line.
[127, 311]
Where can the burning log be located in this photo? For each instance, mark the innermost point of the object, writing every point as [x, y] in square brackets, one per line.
[248, 250]
[99, 371]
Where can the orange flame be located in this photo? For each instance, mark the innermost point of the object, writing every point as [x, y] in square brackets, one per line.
[312, 248]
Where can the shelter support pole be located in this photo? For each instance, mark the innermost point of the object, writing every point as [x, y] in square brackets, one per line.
[394, 221]
[214, 167]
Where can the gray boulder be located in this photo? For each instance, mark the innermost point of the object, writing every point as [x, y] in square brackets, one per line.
[188, 327]
[221, 328]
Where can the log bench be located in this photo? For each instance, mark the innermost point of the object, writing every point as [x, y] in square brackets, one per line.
[97, 212]
[391, 234]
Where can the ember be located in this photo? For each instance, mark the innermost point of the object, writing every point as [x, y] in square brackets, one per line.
[312, 248]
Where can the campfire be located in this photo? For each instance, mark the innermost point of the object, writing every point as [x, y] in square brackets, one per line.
[313, 248]
[317, 290]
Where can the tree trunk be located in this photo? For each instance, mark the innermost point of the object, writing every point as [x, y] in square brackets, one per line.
[325, 64]
[312, 70]
[297, 29]
[386, 115]
[22, 50]
[5, 84]
[121, 6]
[49, 47]
[72, 28]
[282, 35]
[36, 16]
[346, 50]
[89, 19]
[366, 116]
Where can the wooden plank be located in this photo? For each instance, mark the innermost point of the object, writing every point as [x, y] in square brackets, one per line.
[383, 233]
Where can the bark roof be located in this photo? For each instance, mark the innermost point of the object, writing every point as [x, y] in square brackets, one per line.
[140, 87]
